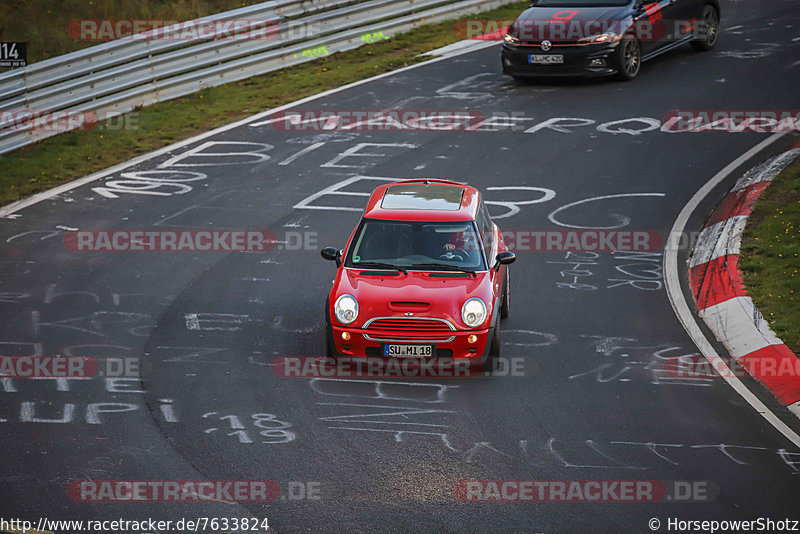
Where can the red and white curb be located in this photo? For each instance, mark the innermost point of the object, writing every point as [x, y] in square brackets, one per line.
[720, 294]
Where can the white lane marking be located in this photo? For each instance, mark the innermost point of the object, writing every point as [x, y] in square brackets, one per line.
[739, 325]
[192, 322]
[215, 321]
[303, 152]
[795, 64]
[720, 239]
[49, 234]
[251, 158]
[514, 207]
[334, 189]
[465, 88]
[649, 125]
[399, 435]
[795, 409]
[355, 152]
[754, 52]
[378, 392]
[674, 289]
[14, 207]
[624, 221]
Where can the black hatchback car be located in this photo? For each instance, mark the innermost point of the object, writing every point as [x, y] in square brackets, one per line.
[604, 37]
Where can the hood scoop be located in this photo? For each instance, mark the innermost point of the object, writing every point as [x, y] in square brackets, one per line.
[409, 306]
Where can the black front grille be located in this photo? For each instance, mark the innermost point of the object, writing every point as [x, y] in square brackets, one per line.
[555, 44]
[411, 326]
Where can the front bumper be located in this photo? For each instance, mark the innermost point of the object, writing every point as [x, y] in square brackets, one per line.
[577, 61]
[362, 344]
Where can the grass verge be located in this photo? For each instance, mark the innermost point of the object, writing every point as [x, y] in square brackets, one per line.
[770, 255]
[69, 156]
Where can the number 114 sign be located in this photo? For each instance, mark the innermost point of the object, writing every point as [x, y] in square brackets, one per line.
[13, 54]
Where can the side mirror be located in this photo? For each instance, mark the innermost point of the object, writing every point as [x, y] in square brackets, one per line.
[332, 254]
[504, 258]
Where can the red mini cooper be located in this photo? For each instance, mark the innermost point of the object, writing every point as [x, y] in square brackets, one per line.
[425, 274]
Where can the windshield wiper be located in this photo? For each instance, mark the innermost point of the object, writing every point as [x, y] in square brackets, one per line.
[380, 265]
[444, 267]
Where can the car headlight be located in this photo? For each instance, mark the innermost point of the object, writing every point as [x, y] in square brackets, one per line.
[512, 35]
[473, 312]
[346, 309]
[608, 37]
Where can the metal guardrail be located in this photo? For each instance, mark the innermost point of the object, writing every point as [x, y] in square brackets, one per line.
[116, 77]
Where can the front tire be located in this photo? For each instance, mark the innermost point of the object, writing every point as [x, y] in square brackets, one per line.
[494, 350]
[505, 307]
[629, 60]
[710, 19]
[329, 350]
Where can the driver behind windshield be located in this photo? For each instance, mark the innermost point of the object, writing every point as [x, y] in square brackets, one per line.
[457, 242]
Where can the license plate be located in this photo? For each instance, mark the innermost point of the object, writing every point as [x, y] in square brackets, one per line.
[546, 59]
[408, 351]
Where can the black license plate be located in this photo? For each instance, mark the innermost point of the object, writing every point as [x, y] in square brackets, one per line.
[401, 350]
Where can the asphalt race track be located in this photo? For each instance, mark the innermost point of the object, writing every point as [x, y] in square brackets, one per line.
[591, 332]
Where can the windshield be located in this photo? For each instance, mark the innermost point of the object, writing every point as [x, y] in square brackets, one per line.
[429, 246]
[580, 3]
